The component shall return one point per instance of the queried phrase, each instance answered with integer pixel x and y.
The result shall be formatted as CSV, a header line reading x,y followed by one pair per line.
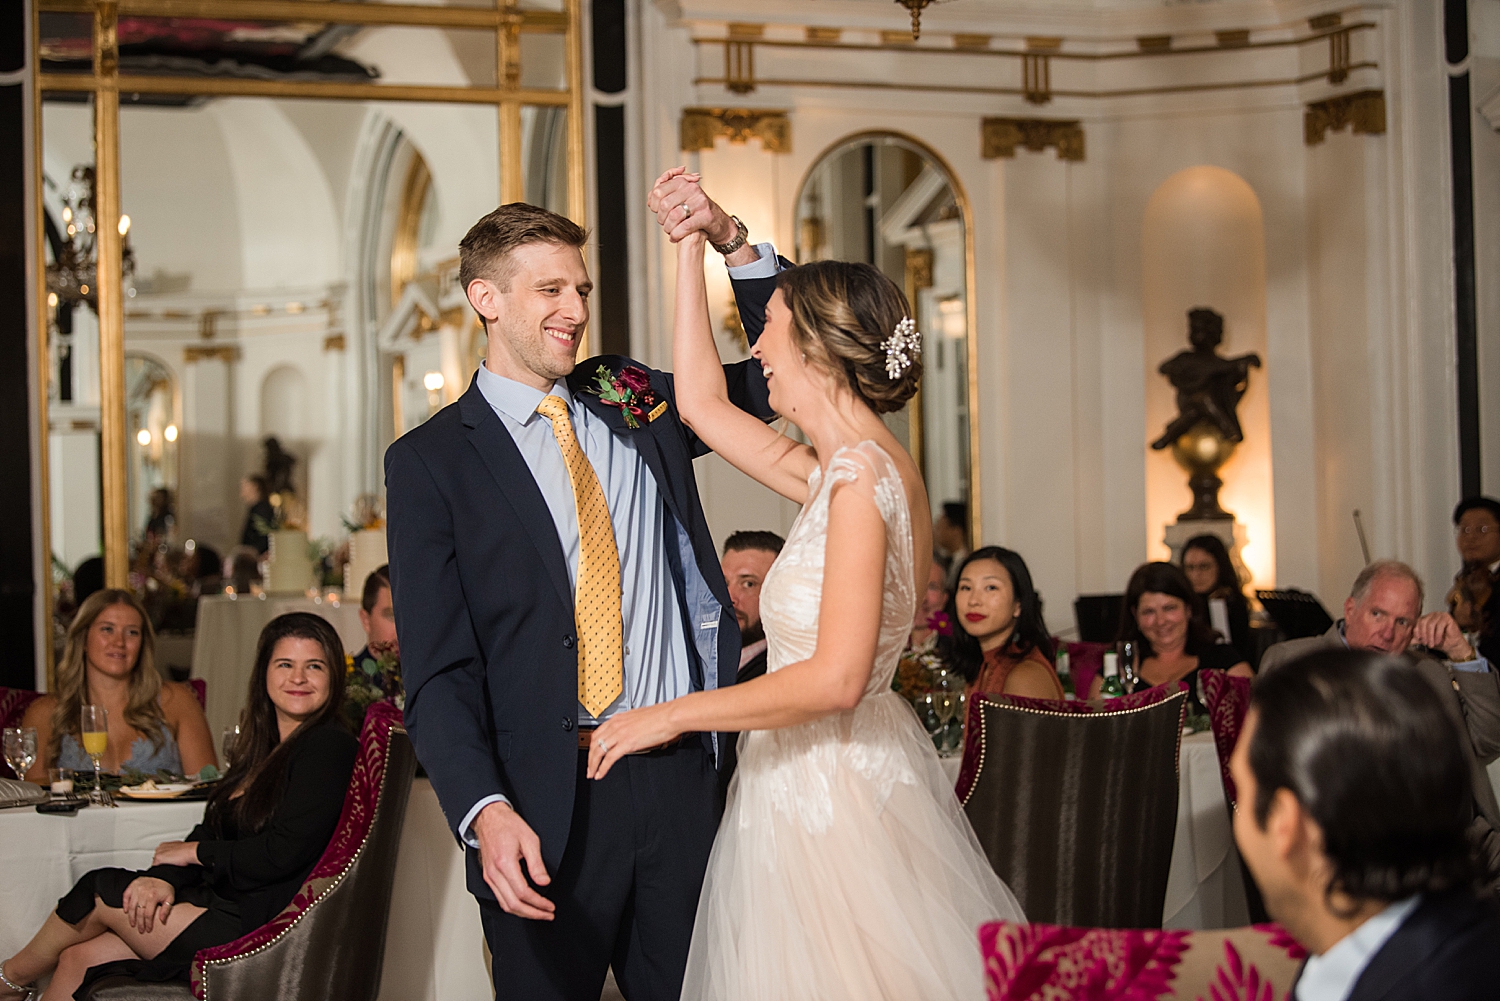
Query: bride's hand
x,y
629,732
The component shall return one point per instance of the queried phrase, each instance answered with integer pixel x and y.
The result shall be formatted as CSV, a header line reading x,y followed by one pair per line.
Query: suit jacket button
x,y
568,642
567,723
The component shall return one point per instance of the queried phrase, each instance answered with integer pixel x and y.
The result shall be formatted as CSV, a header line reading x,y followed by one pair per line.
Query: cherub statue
x,y
1208,387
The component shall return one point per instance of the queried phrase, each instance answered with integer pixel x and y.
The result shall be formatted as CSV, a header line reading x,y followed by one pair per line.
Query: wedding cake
x,y
289,567
367,554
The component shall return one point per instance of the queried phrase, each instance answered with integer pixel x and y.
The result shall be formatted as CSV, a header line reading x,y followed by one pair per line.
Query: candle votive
x,y
60,781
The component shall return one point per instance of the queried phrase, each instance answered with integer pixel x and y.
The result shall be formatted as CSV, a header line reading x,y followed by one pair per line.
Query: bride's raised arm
x,y
756,449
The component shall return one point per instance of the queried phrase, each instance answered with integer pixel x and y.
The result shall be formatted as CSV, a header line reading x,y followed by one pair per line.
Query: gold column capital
x,y
226,353
701,126
1362,111
999,137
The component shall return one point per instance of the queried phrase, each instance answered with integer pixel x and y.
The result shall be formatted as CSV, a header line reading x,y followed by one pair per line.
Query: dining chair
x,y
13,705
1227,699
200,689
1038,961
1075,803
329,942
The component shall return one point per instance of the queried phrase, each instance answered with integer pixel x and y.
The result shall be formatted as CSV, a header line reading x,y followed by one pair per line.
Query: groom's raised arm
x,y
441,665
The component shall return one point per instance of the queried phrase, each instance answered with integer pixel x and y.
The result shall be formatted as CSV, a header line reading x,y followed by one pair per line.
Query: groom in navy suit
x,y
551,566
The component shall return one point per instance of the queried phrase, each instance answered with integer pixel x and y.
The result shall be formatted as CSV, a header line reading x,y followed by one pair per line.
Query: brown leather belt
x,y
586,740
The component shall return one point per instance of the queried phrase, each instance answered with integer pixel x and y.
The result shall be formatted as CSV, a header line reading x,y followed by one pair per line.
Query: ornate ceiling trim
x,y
999,137
701,126
1363,112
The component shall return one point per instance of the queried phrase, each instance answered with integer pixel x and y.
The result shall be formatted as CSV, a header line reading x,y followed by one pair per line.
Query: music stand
x,y
1098,616
1296,613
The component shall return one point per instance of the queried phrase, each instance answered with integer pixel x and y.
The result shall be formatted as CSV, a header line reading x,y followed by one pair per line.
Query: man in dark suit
x,y
747,559
550,566
1353,815
1384,614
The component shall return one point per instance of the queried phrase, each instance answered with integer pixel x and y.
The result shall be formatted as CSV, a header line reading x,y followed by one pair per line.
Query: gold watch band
x,y
741,235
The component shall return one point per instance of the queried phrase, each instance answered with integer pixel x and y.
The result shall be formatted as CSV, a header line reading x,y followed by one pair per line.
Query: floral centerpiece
x,y
371,676
913,677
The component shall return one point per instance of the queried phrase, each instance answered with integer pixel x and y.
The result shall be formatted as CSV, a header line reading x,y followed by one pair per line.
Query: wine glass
x,y
946,697
1129,671
20,749
95,741
228,742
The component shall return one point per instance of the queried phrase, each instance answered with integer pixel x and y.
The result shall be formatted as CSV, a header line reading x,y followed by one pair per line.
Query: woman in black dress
x,y
264,829
1166,621
1209,569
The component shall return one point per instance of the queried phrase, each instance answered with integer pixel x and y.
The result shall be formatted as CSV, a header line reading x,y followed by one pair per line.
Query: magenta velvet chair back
x,y
200,689
1227,700
1037,962
13,705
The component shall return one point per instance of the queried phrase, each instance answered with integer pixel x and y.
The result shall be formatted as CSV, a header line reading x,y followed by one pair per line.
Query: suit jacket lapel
x,y
511,474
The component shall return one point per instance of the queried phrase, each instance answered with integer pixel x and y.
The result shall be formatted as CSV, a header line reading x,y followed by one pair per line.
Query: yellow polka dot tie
x,y
596,598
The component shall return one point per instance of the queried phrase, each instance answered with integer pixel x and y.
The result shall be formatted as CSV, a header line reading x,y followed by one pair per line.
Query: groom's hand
x,y
504,840
682,207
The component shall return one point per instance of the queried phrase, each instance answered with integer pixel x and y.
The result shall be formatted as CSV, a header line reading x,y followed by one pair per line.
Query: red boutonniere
x,y
630,390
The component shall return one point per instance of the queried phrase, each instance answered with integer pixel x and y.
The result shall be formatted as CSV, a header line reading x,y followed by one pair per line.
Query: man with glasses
x,y
1475,597
1383,614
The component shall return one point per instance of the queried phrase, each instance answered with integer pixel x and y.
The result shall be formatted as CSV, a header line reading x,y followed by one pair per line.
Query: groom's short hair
x,y
485,250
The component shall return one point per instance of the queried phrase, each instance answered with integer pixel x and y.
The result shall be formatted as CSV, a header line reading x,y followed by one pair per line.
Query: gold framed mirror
x,y
890,200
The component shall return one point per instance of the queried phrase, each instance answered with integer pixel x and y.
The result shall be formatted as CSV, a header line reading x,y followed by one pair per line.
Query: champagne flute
x,y
95,741
20,749
946,694
229,742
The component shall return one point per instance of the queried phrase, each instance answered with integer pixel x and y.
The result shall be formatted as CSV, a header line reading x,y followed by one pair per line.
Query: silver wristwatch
x,y
742,234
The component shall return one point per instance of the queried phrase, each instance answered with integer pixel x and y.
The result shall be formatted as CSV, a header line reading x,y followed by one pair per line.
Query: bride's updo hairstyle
x,y
842,312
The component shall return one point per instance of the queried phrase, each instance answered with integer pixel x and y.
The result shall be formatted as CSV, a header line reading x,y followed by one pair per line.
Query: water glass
x,y
20,749
95,730
227,742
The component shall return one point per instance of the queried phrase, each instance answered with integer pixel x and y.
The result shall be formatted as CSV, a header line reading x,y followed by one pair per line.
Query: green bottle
x,y
1112,689
1065,672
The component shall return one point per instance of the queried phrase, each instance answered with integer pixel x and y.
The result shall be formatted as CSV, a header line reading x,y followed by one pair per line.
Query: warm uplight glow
x,y
433,381
170,432
84,289
124,224
68,215
143,436
951,315
295,307
52,299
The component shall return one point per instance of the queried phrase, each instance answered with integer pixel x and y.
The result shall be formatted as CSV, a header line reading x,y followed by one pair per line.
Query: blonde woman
x,y
109,660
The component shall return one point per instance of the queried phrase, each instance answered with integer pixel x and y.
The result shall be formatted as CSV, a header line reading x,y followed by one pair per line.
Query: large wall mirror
x,y
887,200
289,204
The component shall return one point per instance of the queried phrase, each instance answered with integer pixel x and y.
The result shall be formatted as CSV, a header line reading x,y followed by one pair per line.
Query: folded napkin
x,y
14,793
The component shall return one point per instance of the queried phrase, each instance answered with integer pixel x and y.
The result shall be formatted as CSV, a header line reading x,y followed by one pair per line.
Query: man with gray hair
x,y
1384,613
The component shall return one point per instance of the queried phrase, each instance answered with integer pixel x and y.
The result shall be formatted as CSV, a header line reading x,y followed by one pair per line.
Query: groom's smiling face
x,y
536,309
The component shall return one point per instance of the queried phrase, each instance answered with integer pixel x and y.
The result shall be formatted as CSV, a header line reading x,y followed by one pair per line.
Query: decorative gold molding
x,y
1235,38
701,126
824,34
408,222
1364,111
739,67
746,32
999,137
971,43
226,353
1338,56
1154,43
333,342
1325,21
904,38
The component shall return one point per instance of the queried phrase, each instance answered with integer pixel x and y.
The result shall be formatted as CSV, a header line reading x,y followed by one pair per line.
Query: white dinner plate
x,y
168,790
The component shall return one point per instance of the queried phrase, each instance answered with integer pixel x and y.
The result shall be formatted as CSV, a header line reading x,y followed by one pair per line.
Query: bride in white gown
x,y
844,866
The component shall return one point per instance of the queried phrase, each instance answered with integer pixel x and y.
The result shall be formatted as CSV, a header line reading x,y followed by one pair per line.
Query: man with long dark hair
x,y
1354,805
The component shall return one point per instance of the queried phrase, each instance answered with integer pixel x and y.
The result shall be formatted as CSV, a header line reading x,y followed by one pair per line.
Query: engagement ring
x,y
603,745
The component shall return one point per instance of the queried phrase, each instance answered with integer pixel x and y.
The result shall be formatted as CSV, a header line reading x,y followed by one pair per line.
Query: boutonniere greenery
x,y
630,391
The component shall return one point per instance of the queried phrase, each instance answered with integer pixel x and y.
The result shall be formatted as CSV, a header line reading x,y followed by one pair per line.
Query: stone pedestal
x,y
1230,532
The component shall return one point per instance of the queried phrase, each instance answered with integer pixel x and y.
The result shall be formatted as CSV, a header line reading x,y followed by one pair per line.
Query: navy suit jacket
x,y
1446,950
484,606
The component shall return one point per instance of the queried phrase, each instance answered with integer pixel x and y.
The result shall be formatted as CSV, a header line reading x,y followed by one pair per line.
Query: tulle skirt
x,y
844,868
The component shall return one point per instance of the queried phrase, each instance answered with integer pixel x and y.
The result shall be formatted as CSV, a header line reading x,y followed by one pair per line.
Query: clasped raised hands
x,y
682,207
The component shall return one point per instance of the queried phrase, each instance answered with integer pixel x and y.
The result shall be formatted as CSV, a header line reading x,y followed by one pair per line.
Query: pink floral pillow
x,y
1052,963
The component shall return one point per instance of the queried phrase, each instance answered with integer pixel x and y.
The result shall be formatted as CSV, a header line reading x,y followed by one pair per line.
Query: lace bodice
x,y
793,589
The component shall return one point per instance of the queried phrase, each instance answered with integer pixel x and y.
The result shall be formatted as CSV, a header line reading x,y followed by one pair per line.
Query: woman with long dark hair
x,y
1209,569
1164,618
263,830
1001,644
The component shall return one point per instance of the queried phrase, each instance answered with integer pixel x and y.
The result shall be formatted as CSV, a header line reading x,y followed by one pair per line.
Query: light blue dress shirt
x,y
656,654
1332,976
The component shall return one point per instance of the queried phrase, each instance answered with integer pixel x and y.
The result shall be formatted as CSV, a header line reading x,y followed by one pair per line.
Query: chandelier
x,y
73,277
915,6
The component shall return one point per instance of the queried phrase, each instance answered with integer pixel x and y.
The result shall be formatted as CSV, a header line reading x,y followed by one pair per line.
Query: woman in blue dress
x,y
109,660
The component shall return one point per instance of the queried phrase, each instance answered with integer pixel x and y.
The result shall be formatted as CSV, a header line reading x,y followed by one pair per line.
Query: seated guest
x,y
934,601
374,673
1475,599
242,567
264,828
1165,620
1209,569
1001,644
109,660
1383,614
950,536
1353,786
747,559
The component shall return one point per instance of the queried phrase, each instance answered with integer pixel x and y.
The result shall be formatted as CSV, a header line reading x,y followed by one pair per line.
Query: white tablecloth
x,y
434,946
1204,889
224,645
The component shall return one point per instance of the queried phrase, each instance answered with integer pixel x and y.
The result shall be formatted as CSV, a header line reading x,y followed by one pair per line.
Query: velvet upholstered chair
x,y
1227,700
1075,803
329,942
1047,962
